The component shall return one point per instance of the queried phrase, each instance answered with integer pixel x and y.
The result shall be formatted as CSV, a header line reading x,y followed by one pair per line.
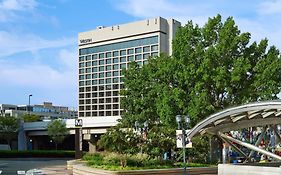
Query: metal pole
x,y
183,148
28,108
251,147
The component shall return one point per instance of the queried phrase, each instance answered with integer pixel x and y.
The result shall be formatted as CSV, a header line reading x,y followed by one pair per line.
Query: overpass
x,y
92,127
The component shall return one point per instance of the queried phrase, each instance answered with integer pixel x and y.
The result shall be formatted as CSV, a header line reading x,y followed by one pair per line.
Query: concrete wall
x,y
225,169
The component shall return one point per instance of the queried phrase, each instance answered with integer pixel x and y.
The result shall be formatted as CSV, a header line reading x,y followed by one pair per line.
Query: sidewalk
x,y
56,170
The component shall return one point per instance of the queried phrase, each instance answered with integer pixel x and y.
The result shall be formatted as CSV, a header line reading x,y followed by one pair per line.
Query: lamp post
x,y
183,122
28,108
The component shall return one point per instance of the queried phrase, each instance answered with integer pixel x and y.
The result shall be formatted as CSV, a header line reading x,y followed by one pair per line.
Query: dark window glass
x,y
138,50
108,61
115,53
101,55
108,54
130,51
122,52
115,60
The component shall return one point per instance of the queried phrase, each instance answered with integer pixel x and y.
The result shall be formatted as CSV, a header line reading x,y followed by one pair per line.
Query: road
x,y
32,166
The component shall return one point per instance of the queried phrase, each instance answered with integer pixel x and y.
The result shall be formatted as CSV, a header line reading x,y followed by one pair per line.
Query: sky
x,y
38,39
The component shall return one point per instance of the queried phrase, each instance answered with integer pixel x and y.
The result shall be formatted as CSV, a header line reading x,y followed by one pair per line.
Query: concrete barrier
x,y
80,169
227,169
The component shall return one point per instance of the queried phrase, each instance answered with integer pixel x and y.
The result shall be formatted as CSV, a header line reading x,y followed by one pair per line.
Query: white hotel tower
x,y
105,51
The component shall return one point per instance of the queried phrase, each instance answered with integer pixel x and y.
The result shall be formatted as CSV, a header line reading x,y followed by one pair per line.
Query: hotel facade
x,y
106,51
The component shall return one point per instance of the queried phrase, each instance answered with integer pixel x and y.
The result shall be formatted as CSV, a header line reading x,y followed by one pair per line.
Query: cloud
x,y
21,5
12,43
270,7
250,17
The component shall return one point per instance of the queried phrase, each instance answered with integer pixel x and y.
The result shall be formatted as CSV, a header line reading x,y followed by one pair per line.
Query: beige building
x,y
105,51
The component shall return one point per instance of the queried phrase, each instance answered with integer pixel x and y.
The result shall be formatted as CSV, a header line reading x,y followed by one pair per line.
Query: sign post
x,y
78,139
179,135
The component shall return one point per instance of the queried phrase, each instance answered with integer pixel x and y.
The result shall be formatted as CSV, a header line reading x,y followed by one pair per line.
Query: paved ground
x,y
33,166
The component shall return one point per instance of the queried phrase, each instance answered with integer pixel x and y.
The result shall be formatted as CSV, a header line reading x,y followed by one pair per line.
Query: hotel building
x,y
106,51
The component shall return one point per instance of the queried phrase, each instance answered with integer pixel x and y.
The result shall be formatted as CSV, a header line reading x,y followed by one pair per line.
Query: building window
x,y
108,74
115,93
94,94
115,113
95,76
101,100
115,80
81,65
108,94
108,87
115,53
116,86
101,62
146,49
101,81
154,48
130,51
115,67
81,83
108,113
81,90
94,63
123,59
94,82
108,54
81,58
108,100
108,67
101,75
101,113
130,58
101,88
101,68
94,88
101,94
146,56
115,60
122,52
95,69
115,106
108,61
94,101
81,71
138,50
123,66
115,100
95,56
101,55
138,57
81,77
115,73
88,76
94,114
88,58
108,81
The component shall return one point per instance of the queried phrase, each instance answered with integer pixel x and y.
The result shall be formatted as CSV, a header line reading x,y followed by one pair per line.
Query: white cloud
x,y
249,16
11,43
36,76
21,5
270,7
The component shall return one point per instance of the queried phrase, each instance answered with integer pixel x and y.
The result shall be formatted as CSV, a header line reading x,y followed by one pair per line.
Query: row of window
x,y
100,94
101,87
101,81
100,113
99,107
119,45
99,75
101,100
145,49
109,67
94,101
117,60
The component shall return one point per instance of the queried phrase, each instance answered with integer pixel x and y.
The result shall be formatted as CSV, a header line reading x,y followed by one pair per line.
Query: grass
x,y
119,162
36,153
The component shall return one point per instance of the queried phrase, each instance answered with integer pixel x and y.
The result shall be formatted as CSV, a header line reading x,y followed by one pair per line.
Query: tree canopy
x,y
57,131
9,127
212,67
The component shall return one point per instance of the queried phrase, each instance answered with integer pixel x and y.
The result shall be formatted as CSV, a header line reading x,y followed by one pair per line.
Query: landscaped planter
x,y
82,169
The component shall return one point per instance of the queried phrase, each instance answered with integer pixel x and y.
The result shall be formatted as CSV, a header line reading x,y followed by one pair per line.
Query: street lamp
x,y
183,122
30,95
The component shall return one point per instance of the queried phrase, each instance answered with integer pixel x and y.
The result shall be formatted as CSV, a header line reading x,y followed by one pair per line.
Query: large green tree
x,y
212,67
9,127
57,131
